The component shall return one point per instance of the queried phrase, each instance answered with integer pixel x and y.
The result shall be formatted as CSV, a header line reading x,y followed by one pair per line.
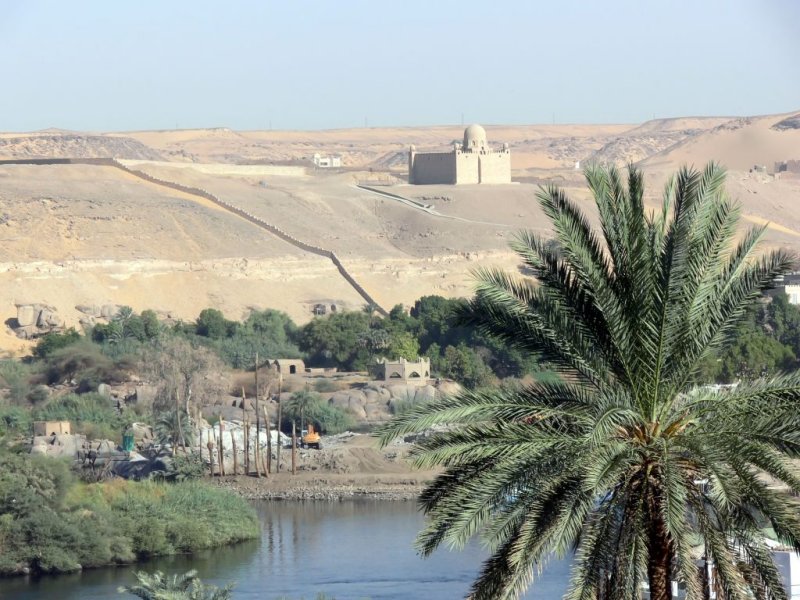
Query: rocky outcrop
x,y
36,319
378,402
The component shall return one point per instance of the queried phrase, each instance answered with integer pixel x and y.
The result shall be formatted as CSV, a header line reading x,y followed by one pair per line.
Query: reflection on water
x,y
349,550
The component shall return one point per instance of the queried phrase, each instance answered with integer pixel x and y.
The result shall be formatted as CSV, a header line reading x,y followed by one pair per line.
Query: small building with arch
x,y
405,371
289,366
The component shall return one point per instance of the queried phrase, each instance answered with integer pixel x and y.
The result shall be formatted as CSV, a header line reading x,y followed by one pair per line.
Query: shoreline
x,y
325,487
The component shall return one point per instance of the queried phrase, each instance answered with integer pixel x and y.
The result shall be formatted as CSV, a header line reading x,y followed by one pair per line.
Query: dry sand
x,y
74,234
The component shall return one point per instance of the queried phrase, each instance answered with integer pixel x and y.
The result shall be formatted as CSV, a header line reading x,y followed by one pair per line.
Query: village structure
x,y
333,161
407,371
474,161
787,167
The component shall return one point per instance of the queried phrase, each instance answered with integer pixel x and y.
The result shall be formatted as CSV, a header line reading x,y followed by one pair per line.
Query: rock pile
x,y
36,319
376,402
92,312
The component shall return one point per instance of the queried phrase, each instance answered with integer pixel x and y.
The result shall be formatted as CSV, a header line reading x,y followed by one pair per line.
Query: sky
x,y
117,65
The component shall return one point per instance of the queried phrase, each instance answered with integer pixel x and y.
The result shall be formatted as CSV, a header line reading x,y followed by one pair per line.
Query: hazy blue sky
x,y
148,64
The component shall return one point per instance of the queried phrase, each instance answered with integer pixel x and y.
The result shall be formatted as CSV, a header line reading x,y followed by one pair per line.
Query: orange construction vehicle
x,y
310,438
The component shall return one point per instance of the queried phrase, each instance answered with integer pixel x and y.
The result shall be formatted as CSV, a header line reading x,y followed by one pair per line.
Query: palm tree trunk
x,y
659,558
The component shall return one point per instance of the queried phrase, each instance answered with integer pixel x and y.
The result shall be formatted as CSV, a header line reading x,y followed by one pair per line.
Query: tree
x,y
342,339
171,428
462,364
178,587
300,403
186,376
624,461
212,324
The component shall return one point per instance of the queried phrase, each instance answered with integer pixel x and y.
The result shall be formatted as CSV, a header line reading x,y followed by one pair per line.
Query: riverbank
x,y
350,466
325,486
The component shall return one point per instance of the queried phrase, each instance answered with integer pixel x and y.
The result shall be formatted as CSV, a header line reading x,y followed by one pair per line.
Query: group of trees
x,y
348,340
354,340
766,342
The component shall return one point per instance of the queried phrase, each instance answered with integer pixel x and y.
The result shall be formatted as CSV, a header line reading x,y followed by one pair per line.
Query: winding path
x,y
425,207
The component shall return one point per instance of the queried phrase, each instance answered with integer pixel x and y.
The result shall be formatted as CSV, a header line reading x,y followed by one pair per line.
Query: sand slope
x,y
77,234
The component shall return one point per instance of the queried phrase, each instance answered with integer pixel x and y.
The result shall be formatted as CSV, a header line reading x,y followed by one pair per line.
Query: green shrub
x,y
85,363
91,414
49,522
52,342
16,376
14,420
325,417
38,395
186,467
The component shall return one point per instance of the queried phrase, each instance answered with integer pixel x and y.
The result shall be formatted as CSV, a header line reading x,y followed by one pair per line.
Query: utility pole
x,y
268,466
258,424
294,449
280,405
245,435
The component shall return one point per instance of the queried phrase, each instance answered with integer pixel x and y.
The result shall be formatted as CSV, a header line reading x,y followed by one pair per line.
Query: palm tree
x,y
625,462
301,402
170,428
178,587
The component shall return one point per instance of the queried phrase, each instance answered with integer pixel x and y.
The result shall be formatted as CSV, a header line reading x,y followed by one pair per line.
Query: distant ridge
x,y
57,144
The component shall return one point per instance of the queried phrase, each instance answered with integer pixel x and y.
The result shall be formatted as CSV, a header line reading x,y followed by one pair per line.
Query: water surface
x,y
349,550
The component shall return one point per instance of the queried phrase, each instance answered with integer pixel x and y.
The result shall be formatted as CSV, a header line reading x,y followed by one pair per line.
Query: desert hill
x,y
81,234
53,143
739,144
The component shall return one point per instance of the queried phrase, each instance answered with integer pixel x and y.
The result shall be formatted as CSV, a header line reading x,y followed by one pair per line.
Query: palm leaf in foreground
x,y
627,464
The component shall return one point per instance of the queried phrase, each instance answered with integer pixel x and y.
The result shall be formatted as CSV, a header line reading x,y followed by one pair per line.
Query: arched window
x,y
414,375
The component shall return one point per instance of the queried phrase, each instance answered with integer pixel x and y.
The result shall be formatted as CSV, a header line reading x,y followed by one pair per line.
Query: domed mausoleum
x,y
472,162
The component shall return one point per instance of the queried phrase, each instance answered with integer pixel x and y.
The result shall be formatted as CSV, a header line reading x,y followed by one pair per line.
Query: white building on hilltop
x,y
474,161
334,161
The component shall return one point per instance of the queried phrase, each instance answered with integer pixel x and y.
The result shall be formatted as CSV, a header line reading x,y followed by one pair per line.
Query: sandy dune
x,y
77,234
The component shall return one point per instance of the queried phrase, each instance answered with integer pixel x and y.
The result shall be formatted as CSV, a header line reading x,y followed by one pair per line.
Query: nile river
x,y
349,550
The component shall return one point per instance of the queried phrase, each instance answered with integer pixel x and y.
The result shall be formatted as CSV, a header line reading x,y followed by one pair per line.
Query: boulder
x,y
39,448
144,395
372,396
27,333
26,315
43,318
348,399
109,311
425,394
104,390
59,446
376,412
104,447
448,388
55,320
91,310
142,432
402,392
358,412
